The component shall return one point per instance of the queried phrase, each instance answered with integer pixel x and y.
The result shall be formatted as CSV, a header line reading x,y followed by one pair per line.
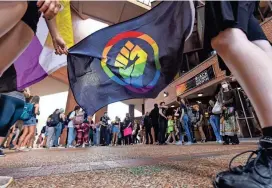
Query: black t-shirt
x,y
197,115
127,121
104,120
164,112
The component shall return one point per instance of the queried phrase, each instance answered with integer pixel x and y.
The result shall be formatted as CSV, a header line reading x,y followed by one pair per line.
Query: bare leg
x,y
173,136
265,46
11,13
13,44
23,136
29,136
251,66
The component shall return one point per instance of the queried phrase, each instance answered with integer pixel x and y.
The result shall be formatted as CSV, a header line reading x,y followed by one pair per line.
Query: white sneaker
x,y
83,145
178,143
188,143
61,146
5,181
220,142
24,149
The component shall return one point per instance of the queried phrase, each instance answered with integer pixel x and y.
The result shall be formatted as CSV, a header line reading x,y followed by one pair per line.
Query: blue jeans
x,y
71,135
94,139
97,136
215,122
57,134
185,121
180,132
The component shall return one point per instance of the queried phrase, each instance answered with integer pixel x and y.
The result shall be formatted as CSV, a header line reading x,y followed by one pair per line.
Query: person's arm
x,y
176,112
182,112
36,109
49,8
58,42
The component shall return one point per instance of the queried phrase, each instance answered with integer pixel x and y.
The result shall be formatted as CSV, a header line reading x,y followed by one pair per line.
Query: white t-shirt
x,y
71,124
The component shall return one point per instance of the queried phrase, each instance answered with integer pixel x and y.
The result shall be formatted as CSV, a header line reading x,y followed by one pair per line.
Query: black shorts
x,y
220,15
32,15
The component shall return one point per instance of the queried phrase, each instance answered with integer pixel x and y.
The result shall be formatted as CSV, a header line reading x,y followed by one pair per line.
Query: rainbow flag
x,y
39,59
134,59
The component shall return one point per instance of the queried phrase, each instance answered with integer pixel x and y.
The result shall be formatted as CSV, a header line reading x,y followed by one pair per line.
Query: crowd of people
x,y
233,32
163,125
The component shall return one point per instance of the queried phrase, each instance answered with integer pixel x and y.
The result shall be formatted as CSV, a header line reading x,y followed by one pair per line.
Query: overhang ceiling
x,y
110,12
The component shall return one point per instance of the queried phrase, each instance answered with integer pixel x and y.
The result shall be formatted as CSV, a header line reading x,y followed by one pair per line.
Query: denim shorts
x,y
31,122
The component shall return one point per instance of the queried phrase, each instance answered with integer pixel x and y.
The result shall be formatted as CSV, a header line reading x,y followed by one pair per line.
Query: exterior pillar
x,y
71,102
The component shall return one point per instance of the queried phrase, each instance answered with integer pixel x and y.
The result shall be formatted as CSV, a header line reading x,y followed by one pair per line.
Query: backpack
x,y
27,112
55,120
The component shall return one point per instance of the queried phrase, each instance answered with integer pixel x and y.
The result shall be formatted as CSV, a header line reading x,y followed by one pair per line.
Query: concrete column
x,y
71,103
131,111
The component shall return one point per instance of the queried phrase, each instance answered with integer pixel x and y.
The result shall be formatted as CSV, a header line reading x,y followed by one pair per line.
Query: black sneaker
x,y
257,173
2,153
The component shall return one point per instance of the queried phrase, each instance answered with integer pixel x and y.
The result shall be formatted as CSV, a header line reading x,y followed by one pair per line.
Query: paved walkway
x,y
46,162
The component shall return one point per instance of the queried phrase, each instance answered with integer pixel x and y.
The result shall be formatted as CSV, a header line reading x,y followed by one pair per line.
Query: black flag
x,y
134,59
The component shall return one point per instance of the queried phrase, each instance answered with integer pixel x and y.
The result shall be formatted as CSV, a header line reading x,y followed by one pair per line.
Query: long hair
x,y
35,100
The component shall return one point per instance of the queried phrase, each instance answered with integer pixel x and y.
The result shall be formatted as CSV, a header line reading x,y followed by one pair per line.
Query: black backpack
x,y
55,120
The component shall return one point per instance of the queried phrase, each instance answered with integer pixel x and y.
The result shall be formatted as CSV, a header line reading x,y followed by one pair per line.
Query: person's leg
x,y
173,137
57,134
251,66
187,129
164,127
13,44
151,137
50,137
79,138
23,136
146,136
215,128
202,134
11,13
98,136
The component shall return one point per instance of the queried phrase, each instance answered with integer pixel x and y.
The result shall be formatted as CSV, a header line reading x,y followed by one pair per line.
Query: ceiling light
x,y
173,106
238,88
199,102
165,94
200,94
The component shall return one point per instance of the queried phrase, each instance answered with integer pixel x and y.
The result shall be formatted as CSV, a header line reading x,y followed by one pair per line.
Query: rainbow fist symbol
x,y
131,62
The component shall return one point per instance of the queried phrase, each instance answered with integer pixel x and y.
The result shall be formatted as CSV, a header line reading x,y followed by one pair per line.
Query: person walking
x,y
154,115
184,119
30,124
215,122
71,127
199,122
103,128
148,125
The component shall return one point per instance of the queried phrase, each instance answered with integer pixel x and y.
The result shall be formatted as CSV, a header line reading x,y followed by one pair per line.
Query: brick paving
x,y
44,162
